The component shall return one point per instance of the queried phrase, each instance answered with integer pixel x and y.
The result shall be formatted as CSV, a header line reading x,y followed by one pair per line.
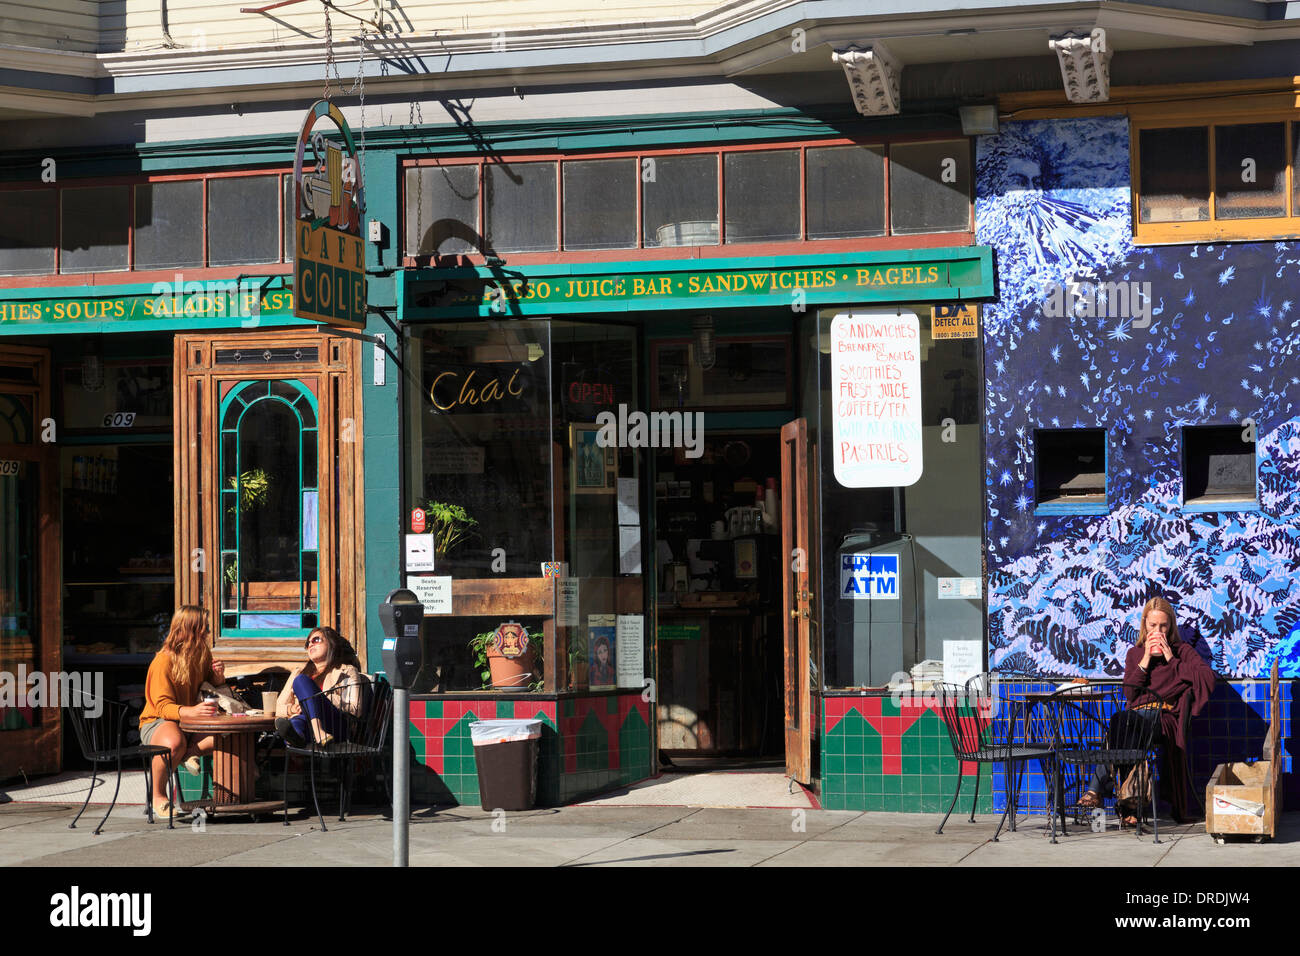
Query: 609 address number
x,y
119,420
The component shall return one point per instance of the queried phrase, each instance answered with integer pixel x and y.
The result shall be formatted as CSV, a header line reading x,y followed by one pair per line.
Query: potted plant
x,y
577,660
505,658
449,524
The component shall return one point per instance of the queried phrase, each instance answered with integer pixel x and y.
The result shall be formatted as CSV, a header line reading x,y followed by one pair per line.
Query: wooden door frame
x,y
799,594
39,750
341,528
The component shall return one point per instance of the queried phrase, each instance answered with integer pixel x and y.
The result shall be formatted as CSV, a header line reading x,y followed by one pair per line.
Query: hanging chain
x,y
417,114
329,53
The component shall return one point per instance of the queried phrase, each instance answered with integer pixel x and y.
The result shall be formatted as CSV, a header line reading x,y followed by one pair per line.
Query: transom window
x,y
209,222
1220,180
269,509
744,195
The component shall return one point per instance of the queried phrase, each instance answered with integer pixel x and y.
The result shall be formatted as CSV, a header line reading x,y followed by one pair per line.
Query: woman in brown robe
x,y
1163,664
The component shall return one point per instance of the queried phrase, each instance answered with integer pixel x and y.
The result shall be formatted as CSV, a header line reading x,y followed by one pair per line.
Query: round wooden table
x,y
232,762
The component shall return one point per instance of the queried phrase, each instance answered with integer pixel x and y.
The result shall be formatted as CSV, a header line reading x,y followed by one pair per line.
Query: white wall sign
x,y
629,656
566,601
434,592
876,398
962,660
958,589
419,552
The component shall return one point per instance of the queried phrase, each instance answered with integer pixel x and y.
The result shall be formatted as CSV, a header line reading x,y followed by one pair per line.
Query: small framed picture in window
x,y
593,466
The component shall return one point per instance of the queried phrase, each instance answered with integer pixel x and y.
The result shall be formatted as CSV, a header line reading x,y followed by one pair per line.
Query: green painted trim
x,y
969,275
620,132
116,306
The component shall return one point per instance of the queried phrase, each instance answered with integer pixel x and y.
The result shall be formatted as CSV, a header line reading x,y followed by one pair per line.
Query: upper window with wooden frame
x,y
222,222
770,198
1229,179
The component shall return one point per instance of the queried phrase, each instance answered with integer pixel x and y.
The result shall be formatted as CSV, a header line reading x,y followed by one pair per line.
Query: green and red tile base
x,y
589,744
880,755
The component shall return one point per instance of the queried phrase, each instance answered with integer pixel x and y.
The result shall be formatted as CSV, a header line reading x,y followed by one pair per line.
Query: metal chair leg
x,y
343,791
148,788
977,794
115,792
94,779
960,776
1155,799
285,787
1011,804
311,764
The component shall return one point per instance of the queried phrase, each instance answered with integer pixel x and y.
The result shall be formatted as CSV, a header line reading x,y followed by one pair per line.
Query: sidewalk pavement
x,y
37,834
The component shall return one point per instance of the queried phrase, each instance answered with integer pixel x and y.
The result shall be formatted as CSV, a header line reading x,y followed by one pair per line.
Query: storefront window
x,y
95,228
27,232
901,566
19,636
529,517
240,231
169,225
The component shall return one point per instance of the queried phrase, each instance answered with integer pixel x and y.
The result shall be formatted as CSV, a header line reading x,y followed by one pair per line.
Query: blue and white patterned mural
x,y
1065,591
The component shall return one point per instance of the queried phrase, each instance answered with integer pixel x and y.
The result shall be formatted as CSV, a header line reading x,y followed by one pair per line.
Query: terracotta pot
x,y
510,672
578,675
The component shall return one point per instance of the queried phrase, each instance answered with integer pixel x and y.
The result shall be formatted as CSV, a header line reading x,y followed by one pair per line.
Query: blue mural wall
x,y
1065,591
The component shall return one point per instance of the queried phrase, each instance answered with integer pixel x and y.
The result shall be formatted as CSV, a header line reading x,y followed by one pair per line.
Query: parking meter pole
x,y
402,617
401,777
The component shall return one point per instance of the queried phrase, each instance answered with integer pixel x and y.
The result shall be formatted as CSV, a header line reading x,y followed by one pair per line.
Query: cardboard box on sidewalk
x,y
1245,798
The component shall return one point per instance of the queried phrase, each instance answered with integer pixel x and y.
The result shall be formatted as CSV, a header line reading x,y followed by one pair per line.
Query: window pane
x,y
680,203
1250,171
520,204
442,211
290,233
846,192
243,227
762,196
929,187
600,204
169,225
269,499
95,226
1174,175
27,229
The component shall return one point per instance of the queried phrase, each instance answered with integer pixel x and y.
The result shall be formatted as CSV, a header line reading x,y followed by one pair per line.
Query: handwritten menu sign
x,y
876,396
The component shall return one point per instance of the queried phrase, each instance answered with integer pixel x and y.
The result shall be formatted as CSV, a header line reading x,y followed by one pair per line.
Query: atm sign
x,y
869,577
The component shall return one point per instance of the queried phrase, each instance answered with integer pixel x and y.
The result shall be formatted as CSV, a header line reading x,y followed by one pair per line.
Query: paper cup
x,y
269,699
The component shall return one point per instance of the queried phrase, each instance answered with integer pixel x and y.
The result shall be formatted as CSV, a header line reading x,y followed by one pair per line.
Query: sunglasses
x,y
314,640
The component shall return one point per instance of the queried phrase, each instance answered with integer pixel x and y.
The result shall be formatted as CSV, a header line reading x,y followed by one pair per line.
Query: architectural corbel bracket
x,y
1085,65
873,74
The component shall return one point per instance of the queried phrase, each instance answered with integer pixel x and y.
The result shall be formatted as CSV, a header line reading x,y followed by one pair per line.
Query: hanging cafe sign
x,y
907,275
329,269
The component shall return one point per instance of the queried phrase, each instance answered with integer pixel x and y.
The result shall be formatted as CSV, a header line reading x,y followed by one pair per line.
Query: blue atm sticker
x,y
869,577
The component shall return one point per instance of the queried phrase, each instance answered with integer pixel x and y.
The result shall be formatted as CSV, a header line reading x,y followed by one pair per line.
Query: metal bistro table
x,y
232,762
1041,731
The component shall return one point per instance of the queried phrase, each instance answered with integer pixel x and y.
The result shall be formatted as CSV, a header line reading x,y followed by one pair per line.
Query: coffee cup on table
x,y
269,699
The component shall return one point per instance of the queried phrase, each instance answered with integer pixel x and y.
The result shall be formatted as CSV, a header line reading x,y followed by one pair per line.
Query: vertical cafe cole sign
x,y
329,270
876,396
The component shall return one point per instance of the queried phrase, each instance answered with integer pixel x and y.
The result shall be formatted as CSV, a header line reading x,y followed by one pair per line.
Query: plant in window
x,y
254,486
577,659
505,659
450,524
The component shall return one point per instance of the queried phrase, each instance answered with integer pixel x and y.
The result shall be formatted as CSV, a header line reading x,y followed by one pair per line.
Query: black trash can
x,y
505,752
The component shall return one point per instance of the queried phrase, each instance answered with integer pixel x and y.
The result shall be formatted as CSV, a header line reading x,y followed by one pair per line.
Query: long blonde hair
x,y
1159,604
191,658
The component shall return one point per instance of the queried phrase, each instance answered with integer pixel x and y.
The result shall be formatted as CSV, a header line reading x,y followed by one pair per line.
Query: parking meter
x,y
402,617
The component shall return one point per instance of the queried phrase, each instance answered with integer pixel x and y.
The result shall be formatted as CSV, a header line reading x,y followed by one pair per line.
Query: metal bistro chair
x,y
363,740
967,712
102,738
1130,739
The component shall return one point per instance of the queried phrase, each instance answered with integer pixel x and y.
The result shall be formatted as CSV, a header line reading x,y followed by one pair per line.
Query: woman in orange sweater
x,y
171,691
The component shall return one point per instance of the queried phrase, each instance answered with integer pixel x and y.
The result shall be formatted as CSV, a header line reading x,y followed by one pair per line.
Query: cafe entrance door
x,y
30,584
799,585
268,476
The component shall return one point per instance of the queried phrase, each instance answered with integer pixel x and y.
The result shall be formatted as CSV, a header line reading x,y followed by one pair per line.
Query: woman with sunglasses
x,y
332,665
